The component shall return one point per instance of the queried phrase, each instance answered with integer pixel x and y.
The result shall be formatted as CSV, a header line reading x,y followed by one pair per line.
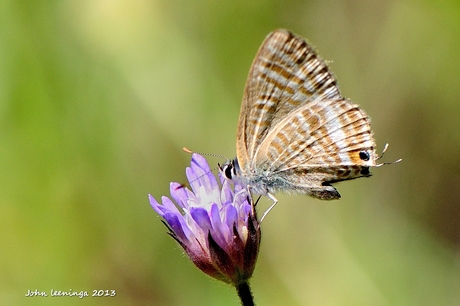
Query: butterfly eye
x,y
364,155
228,171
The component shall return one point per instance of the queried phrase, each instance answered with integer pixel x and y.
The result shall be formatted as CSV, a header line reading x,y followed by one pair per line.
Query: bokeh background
x,y
98,97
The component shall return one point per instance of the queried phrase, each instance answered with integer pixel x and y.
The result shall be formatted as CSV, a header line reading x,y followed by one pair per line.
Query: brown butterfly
x,y
296,132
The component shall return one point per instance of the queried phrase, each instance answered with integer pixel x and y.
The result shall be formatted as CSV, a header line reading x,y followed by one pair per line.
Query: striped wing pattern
x,y
285,75
296,132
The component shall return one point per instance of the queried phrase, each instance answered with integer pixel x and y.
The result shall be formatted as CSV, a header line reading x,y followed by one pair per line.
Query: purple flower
x,y
215,224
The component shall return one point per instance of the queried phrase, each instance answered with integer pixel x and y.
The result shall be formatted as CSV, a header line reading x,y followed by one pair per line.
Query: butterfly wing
x,y
322,142
296,132
286,74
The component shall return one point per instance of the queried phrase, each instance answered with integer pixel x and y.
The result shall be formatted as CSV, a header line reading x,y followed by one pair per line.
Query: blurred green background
x,y
98,97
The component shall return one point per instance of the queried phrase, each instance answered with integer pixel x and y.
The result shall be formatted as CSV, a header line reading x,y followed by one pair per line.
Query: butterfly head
x,y
229,169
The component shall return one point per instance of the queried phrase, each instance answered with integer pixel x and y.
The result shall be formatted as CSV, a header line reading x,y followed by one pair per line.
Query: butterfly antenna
x,y
388,163
187,150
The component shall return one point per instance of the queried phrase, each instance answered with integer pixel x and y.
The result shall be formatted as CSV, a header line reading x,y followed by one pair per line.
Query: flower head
x,y
215,224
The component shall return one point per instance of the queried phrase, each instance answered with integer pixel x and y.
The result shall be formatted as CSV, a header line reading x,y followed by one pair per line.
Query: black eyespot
x,y
365,171
364,155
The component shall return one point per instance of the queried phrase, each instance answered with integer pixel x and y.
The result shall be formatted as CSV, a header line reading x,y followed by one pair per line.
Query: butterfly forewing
x,y
285,75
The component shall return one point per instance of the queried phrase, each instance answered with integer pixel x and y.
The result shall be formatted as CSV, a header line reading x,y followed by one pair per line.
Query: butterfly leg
x,y
275,200
251,201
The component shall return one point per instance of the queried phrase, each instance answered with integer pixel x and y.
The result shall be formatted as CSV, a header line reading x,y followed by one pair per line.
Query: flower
x,y
215,225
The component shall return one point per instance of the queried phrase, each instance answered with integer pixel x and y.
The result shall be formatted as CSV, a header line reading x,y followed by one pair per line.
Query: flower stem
x,y
244,292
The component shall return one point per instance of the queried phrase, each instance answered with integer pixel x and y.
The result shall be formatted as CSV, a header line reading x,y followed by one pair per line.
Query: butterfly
x,y
296,132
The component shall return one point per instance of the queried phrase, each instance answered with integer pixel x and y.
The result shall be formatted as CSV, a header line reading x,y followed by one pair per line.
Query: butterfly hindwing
x,y
324,138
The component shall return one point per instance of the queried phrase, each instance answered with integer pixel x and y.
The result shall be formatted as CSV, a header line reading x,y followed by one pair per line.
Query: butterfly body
x,y
296,132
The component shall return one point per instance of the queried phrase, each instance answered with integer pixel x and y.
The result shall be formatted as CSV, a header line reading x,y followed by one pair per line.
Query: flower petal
x,y
178,226
155,205
231,216
192,178
201,217
179,194
168,204
226,194
221,234
203,172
